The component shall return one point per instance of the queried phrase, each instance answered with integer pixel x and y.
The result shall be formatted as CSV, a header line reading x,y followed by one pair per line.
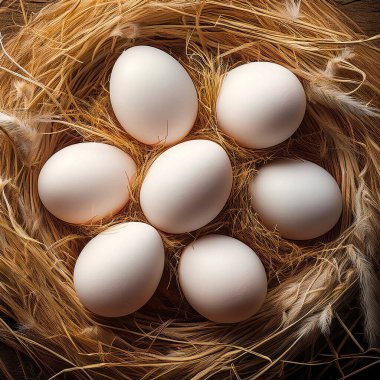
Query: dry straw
x,y
54,76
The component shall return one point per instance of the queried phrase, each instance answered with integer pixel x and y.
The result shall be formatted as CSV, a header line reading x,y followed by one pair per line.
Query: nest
x,y
54,92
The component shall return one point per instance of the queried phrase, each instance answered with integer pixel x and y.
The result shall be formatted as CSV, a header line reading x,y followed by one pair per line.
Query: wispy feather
x,y
325,318
3,183
129,31
317,322
334,98
333,64
369,284
292,8
362,254
308,326
24,91
325,92
23,134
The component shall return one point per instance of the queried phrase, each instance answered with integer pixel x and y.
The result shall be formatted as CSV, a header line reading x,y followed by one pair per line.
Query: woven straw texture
x,y
54,76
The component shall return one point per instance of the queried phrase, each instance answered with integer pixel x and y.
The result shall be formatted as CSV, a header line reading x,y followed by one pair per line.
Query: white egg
x,y
86,182
298,198
260,104
186,186
153,96
119,270
222,278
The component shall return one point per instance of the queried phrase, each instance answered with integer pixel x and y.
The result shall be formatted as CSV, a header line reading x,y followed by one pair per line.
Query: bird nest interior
x,y
54,79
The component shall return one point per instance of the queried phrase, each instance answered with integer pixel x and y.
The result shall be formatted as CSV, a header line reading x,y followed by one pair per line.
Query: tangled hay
x,y
54,77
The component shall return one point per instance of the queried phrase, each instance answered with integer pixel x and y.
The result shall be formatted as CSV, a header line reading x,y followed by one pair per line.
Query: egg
x,y
86,182
298,198
260,104
222,278
118,271
153,96
187,186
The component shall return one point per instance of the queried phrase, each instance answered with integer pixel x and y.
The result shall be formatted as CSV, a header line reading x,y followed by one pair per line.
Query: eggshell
x,y
186,186
222,278
118,271
260,104
153,96
299,198
86,182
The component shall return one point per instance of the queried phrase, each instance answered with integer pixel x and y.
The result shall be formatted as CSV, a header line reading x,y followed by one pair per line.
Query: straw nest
x,y
54,92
